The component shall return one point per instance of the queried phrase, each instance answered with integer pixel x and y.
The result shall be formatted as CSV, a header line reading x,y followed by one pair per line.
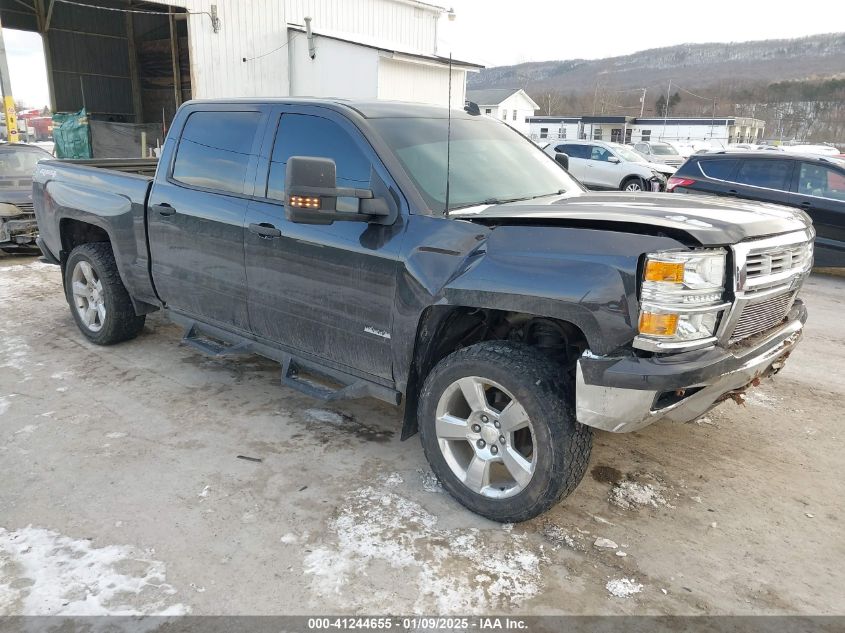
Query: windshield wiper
x,y
505,200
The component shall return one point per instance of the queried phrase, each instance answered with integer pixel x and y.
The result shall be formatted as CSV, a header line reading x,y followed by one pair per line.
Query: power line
x,y
215,21
249,59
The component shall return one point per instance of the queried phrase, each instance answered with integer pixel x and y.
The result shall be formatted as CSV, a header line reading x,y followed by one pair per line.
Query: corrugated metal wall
x,y
90,60
391,23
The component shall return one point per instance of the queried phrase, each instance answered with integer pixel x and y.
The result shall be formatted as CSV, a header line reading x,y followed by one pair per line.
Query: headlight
x,y
8,210
681,299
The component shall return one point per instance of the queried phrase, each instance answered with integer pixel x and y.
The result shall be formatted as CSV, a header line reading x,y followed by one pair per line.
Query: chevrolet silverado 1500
x,y
511,312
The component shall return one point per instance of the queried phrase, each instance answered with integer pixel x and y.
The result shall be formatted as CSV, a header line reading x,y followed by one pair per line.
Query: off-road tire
x,y
121,322
563,445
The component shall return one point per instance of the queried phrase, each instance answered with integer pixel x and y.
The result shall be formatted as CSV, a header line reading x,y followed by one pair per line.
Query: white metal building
x,y
512,105
128,61
625,129
364,49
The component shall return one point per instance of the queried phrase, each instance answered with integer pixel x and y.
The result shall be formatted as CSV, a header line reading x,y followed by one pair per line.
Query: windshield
x,y
19,162
663,150
626,154
489,162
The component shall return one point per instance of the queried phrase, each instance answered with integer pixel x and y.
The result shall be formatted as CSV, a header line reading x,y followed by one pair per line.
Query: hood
x,y
16,190
710,220
662,168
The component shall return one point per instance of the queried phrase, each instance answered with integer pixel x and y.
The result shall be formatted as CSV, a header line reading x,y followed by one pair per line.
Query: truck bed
x,y
139,166
110,194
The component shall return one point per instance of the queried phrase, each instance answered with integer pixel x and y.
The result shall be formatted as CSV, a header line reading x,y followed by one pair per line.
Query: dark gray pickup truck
x,y
510,311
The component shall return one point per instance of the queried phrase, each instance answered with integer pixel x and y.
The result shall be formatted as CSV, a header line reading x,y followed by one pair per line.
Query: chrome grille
x,y
25,207
762,315
778,261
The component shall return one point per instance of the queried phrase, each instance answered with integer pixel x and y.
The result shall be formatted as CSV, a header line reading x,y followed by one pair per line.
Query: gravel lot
x,y
147,478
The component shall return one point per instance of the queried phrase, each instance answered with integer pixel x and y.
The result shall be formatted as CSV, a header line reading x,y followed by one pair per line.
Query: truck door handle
x,y
806,205
164,209
732,192
265,229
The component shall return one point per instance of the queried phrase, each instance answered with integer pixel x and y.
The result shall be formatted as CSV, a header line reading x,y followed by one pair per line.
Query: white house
x,y
513,106
626,129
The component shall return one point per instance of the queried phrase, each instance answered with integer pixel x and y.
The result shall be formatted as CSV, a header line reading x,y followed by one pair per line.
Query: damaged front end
x,y
18,227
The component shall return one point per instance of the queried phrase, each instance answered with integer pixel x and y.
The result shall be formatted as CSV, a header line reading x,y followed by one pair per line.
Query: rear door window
x,y
215,150
718,169
771,174
574,151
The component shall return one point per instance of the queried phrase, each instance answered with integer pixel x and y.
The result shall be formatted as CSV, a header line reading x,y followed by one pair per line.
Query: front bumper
x,y
18,230
626,393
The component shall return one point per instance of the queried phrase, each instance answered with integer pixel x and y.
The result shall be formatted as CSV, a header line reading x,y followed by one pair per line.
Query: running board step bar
x,y
310,377
322,383
194,338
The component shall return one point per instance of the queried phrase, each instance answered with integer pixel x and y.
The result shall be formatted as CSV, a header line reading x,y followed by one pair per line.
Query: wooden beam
x,y
137,102
174,55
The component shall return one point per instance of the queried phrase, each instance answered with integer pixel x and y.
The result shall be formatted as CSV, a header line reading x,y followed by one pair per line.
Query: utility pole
x,y
666,109
8,100
642,103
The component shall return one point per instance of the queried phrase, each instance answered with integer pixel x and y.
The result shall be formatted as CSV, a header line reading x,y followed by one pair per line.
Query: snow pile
x,y
450,571
631,495
623,587
325,415
429,480
45,573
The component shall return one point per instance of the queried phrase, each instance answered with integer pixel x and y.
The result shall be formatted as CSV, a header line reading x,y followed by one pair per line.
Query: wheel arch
x,y
443,329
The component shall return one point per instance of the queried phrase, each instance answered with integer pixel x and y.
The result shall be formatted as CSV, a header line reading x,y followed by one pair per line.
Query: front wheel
x,y
497,426
632,184
98,300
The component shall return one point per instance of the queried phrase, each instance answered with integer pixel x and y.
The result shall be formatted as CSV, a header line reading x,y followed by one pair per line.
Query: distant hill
x,y
699,65
797,85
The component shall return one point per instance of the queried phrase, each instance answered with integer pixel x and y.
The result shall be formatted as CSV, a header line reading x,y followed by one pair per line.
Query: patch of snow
x,y
452,571
429,480
115,435
293,539
197,588
204,493
4,404
623,587
558,536
393,479
606,543
760,398
29,428
631,495
621,554
61,375
61,389
325,415
45,573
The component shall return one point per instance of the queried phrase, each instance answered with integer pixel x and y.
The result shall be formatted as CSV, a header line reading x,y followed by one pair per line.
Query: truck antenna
x,y
448,134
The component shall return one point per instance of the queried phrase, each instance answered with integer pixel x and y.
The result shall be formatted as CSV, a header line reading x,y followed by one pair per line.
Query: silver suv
x,y
657,152
602,165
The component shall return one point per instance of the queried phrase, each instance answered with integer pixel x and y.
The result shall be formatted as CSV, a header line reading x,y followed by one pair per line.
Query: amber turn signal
x,y
656,270
305,202
658,324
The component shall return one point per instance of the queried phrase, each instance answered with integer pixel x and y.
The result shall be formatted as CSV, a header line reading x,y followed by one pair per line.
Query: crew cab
x,y
438,260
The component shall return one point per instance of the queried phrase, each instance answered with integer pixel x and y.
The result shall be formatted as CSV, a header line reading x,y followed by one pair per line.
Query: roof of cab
x,y
367,109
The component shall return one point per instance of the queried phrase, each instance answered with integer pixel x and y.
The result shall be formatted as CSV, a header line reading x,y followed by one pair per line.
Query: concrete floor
x,y
125,490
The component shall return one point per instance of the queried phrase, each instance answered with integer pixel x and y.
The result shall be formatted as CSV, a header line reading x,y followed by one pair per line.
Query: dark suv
x,y
815,184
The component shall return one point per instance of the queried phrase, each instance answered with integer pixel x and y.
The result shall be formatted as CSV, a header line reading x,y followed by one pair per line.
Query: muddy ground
x,y
145,478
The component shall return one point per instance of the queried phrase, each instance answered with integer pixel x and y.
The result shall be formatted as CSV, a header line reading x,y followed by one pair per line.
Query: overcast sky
x,y
496,32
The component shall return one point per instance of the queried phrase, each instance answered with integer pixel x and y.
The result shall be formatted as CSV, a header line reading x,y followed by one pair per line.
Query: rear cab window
x,y
821,181
718,169
215,149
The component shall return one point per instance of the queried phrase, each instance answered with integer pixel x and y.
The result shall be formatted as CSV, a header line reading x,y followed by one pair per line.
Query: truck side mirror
x,y
563,159
313,197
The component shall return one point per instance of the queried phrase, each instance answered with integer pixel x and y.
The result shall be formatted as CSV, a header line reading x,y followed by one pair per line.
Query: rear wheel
x,y
497,426
98,300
